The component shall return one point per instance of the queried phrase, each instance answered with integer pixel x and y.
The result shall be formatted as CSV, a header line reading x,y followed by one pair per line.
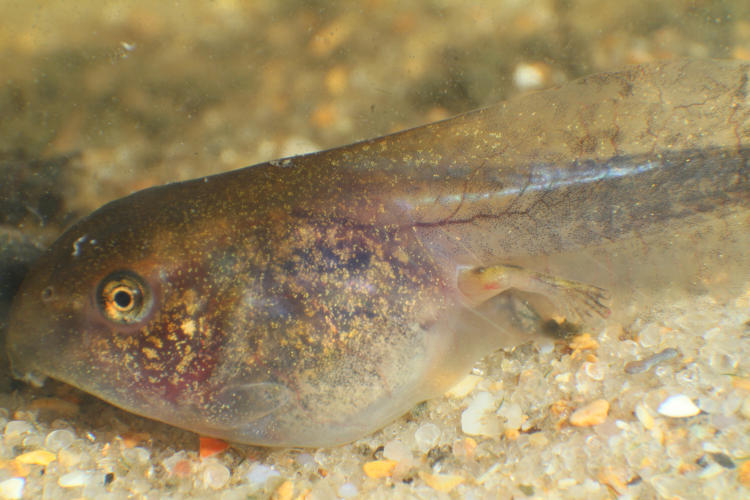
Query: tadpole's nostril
x,y
47,294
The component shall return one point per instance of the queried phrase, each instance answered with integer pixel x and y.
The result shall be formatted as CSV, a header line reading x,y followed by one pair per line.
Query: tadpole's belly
x,y
311,300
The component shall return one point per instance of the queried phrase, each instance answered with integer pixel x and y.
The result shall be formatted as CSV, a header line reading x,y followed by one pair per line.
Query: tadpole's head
x,y
91,299
95,280
121,306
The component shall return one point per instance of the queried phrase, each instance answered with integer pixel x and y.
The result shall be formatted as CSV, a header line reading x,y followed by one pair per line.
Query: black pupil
x,y
123,299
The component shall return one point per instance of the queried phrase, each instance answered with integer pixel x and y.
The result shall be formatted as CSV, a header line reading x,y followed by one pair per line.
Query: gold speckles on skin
x,y
188,327
123,342
155,341
150,353
191,301
203,328
187,357
401,256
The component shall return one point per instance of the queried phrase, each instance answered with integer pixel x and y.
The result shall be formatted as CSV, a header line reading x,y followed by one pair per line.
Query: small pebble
x,y
712,470
68,458
178,465
306,460
644,417
583,342
33,441
284,491
707,446
463,449
650,335
348,490
724,460
36,457
741,383
216,476
12,489
211,446
545,345
136,456
744,473
74,479
479,419
427,436
645,364
59,439
441,482
396,450
593,413
526,489
538,440
513,415
594,371
678,406
379,468
745,408
464,387
511,434
609,476
17,428
260,474
566,483
131,439
55,405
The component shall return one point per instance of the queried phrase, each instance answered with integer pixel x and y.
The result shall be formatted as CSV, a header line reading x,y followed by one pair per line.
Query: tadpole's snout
x,y
22,341
21,371
37,324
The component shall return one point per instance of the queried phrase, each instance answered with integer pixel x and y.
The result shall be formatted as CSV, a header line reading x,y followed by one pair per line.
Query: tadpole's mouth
x,y
22,370
32,377
24,342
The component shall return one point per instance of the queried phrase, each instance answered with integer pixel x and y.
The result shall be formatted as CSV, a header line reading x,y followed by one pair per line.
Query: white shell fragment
x,y
12,488
427,436
479,418
74,479
216,475
678,406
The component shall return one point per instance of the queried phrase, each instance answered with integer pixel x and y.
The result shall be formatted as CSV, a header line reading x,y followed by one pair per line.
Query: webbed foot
x,y
575,300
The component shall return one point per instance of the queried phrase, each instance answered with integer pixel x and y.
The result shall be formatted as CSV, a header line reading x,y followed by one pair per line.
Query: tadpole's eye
x,y
124,297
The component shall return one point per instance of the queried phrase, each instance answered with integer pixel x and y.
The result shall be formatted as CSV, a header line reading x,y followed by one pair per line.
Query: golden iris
x,y
124,297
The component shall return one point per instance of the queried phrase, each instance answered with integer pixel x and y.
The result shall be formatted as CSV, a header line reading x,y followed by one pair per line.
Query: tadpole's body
x,y
311,300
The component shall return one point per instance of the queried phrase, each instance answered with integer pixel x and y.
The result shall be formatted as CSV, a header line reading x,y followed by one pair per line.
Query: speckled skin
x,y
311,300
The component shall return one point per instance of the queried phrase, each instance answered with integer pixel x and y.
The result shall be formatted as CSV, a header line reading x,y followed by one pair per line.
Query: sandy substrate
x,y
96,102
